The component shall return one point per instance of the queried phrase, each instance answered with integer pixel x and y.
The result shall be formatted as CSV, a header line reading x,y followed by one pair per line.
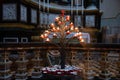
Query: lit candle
x,y
52,25
46,31
54,29
82,40
47,40
59,22
57,19
80,37
58,29
42,36
54,35
76,29
79,33
72,28
68,32
71,23
45,35
66,27
75,35
67,18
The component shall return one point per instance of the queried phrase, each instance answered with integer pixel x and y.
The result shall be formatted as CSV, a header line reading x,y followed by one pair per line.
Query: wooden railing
x,y
86,57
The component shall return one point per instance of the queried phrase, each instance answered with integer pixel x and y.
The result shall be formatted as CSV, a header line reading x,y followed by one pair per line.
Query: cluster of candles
x,y
61,28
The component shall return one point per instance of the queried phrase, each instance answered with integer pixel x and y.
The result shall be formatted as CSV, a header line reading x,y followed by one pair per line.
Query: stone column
x,y
21,73
88,66
118,65
37,67
104,64
5,73
73,58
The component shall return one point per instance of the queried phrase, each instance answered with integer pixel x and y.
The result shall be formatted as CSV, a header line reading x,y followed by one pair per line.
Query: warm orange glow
x,y
66,27
72,28
54,35
71,24
42,36
45,35
79,33
57,19
76,35
67,18
54,29
58,29
52,25
76,29
59,22
82,40
61,26
80,37
46,31
47,40
68,32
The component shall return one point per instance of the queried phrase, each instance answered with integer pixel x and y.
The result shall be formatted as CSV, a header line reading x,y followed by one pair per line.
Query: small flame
x,y
47,40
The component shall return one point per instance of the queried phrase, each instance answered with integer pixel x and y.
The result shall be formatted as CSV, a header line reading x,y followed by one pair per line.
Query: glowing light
x,y
54,35
42,36
80,37
71,24
45,35
46,31
79,33
67,18
57,19
76,35
76,29
54,29
82,40
58,29
68,32
72,28
47,40
52,25
59,22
